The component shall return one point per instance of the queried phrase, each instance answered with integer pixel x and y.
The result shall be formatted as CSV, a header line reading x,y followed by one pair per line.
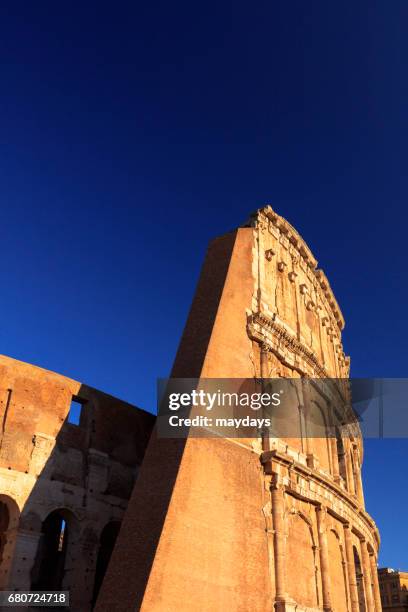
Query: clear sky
x,y
132,133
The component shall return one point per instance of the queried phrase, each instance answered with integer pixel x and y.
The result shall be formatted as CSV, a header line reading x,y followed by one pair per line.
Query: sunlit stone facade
x,y
253,525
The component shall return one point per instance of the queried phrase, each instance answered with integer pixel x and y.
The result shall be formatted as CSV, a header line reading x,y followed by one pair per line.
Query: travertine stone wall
x,y
296,324
47,464
294,301
253,525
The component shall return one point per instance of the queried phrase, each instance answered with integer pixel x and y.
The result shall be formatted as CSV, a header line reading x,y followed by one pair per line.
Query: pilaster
x,y
367,576
351,570
374,579
324,557
278,508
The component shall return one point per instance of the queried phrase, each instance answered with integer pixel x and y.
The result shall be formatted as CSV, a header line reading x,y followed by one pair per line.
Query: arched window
x,y
106,546
50,564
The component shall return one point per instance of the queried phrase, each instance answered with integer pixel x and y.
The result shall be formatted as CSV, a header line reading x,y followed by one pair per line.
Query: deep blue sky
x,y
133,133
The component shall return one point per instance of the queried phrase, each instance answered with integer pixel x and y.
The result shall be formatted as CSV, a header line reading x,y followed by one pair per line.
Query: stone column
x,y
278,508
367,576
374,580
357,478
335,459
84,548
264,367
333,442
303,431
25,552
76,579
324,557
306,417
351,570
7,557
349,468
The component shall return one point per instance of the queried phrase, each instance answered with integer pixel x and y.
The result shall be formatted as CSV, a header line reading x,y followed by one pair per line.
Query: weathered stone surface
x,y
246,525
84,472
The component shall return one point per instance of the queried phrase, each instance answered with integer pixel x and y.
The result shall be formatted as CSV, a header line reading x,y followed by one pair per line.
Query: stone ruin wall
x,y
85,472
316,489
256,524
293,294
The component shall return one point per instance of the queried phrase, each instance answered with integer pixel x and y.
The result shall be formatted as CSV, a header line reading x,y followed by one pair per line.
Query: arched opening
x,y
106,545
301,551
359,580
50,563
9,518
338,580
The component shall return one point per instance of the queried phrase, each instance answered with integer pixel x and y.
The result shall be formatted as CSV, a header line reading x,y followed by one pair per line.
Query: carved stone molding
x,y
321,491
266,218
285,341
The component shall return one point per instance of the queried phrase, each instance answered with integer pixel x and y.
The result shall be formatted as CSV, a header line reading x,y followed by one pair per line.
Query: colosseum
x,y
253,525
206,524
69,455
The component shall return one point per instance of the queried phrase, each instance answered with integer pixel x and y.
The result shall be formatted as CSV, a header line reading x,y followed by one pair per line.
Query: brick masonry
x,y
259,524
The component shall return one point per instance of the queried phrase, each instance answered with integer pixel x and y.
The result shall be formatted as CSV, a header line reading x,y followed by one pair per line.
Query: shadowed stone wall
x,y
62,484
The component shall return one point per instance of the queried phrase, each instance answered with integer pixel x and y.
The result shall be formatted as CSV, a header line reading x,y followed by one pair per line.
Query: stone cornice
x,y
268,457
287,341
275,337
329,295
297,242
291,234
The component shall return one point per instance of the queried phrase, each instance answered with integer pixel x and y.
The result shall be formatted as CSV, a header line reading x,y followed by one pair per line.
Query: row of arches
x,y
304,571
337,450
324,445
309,422
55,557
